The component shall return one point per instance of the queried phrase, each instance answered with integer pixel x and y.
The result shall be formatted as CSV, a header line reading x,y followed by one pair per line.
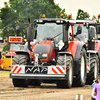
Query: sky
x,y
72,6
2,3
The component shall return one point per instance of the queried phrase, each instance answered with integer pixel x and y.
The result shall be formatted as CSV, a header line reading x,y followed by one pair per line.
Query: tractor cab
x,y
88,34
83,36
48,31
53,29
15,44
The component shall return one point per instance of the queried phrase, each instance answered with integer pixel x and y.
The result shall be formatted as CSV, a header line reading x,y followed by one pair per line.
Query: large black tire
x,y
94,69
80,78
20,83
69,71
20,59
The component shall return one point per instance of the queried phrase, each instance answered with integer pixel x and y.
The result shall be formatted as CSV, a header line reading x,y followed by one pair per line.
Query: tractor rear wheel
x,y
94,69
21,60
62,60
80,78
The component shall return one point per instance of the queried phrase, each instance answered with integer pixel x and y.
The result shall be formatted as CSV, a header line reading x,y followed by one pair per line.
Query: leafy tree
x,y
82,15
8,17
36,8
94,18
6,48
20,10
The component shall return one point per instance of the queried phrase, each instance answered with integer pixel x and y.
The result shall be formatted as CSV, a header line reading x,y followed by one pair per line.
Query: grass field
x,y
4,73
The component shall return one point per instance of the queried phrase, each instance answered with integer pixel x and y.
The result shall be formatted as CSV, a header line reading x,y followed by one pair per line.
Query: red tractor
x,y
52,58
15,44
88,36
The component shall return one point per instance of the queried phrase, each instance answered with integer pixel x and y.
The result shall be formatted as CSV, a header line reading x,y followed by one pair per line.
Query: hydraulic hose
x,y
65,46
29,47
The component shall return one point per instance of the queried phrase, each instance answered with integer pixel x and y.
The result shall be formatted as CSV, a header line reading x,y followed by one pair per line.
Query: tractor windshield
x,y
84,35
49,30
14,46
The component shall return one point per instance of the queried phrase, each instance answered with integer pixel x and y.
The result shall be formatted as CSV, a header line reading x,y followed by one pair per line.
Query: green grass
x,y
4,73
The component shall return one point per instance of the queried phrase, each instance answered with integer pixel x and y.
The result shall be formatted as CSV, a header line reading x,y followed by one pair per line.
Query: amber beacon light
x,y
62,15
69,16
99,17
43,16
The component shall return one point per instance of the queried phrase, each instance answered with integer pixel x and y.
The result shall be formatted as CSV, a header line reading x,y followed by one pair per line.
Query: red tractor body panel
x,y
11,52
73,47
53,55
97,46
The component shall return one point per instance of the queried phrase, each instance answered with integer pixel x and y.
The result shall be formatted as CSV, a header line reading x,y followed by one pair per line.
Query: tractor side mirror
x,y
98,32
17,29
79,30
29,34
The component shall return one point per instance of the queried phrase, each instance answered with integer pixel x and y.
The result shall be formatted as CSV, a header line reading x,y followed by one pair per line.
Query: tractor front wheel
x,y
68,61
21,60
94,69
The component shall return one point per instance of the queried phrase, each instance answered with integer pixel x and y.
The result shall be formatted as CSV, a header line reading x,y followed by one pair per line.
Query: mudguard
x,y
67,53
77,57
97,48
91,51
72,48
22,52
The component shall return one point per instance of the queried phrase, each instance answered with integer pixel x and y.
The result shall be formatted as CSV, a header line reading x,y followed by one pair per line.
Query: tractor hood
x,y
45,50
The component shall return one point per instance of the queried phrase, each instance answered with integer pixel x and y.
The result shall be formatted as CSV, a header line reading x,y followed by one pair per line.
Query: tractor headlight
x,y
44,55
36,54
41,21
58,21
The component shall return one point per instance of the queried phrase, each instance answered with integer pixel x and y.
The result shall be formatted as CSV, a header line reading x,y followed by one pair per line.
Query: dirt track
x,y
44,92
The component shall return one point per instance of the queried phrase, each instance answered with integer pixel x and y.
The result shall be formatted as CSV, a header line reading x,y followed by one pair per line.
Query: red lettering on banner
x,y
15,39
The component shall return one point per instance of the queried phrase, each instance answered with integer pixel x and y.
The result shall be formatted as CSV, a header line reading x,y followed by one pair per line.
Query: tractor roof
x,y
84,21
53,20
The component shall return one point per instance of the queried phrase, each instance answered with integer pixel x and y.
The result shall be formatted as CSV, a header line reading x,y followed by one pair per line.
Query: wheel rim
x,y
95,70
70,73
82,68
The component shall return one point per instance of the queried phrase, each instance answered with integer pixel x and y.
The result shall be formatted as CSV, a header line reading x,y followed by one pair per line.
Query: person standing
x,y
93,85
97,89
